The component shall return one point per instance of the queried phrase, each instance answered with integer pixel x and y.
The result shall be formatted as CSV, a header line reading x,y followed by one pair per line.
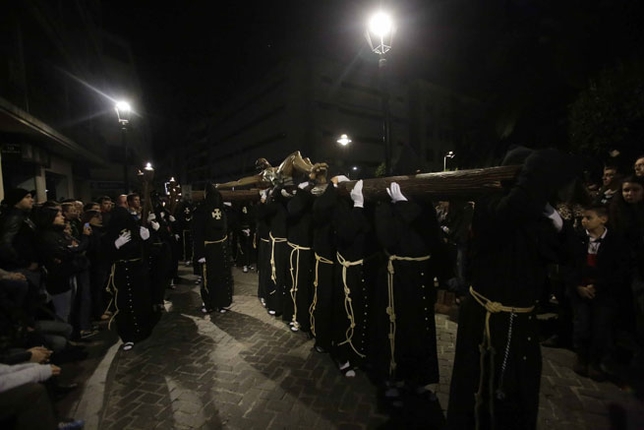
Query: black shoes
x,y
319,349
127,346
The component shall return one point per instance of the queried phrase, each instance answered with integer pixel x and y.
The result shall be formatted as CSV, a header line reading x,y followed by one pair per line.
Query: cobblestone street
x,y
246,370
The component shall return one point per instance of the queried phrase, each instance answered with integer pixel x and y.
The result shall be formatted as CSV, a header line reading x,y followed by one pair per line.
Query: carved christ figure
x,y
283,174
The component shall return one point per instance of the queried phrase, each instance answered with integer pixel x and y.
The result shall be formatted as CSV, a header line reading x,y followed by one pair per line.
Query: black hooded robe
x,y
405,348
217,284
512,244
299,287
129,279
274,214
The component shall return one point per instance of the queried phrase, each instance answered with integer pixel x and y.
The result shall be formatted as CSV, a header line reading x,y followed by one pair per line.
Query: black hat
x,y
14,195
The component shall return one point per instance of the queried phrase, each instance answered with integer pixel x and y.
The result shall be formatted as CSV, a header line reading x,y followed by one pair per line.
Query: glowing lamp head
x,y
344,140
123,110
380,24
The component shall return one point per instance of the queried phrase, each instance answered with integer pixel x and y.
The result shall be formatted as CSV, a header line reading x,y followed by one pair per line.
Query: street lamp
x,y
450,154
123,111
147,176
344,140
380,33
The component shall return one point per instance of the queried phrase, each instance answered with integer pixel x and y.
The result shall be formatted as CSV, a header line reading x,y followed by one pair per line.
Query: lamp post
x,y
450,154
147,176
123,111
379,34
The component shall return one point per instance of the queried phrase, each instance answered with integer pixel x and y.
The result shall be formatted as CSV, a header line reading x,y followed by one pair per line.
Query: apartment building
x,y
60,76
306,104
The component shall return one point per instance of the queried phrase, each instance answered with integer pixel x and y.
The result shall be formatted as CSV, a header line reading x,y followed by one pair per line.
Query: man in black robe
x,y
129,277
274,214
404,344
262,242
321,309
217,283
355,269
514,238
299,288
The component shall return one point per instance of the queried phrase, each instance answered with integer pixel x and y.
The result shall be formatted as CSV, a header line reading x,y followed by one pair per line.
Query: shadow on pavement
x,y
312,378
164,380
416,413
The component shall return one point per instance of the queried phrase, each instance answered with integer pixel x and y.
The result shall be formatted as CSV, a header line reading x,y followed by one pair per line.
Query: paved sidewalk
x,y
246,370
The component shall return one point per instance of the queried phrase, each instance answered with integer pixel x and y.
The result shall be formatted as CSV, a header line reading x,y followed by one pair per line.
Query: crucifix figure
x,y
283,174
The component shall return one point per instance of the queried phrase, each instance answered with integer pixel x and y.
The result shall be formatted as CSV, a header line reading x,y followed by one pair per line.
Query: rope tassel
x,y
318,260
391,308
486,349
348,307
295,274
274,240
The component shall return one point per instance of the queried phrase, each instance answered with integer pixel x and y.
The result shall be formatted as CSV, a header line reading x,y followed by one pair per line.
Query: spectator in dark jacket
x,y
58,258
17,235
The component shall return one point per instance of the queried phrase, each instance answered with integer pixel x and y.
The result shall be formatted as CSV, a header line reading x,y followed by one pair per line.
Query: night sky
x,y
526,58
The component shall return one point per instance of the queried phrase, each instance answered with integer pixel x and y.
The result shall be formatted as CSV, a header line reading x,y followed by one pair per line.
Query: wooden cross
x,y
461,184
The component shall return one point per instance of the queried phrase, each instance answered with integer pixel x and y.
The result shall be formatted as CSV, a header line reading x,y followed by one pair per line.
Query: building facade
x,y
60,75
306,104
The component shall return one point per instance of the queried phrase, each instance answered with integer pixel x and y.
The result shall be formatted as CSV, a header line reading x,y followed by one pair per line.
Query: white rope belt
x,y
348,307
486,348
318,259
204,271
274,240
295,273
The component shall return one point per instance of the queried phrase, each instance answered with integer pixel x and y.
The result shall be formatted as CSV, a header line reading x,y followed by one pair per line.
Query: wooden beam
x,y
461,184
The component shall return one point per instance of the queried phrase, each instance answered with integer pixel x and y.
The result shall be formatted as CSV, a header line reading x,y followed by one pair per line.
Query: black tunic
x,y
263,244
199,217
352,287
129,279
511,247
217,285
274,213
299,287
404,327
159,260
321,311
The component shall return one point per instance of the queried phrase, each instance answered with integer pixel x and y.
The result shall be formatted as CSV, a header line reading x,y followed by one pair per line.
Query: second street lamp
x,y
123,111
379,34
344,140
450,154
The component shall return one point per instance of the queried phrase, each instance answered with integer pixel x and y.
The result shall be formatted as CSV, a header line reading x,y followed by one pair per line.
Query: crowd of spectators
x,y
55,265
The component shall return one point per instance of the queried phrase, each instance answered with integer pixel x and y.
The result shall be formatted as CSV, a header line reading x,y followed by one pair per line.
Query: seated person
x,y
24,401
